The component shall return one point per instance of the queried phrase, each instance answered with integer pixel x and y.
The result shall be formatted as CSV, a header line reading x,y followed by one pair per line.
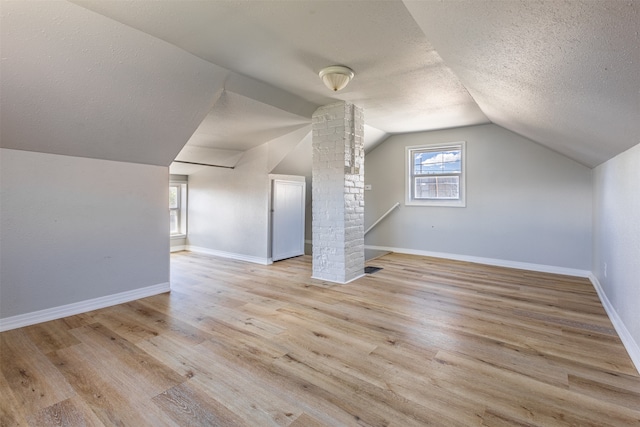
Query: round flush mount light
x,y
336,77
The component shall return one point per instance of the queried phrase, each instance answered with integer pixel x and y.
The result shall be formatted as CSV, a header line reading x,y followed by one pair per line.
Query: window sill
x,y
435,203
178,236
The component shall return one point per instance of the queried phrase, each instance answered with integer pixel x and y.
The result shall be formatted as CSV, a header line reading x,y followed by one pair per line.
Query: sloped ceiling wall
x,y
78,84
564,74
401,83
132,81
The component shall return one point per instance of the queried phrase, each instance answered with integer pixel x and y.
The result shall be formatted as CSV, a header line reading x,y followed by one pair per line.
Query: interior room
x,y
483,155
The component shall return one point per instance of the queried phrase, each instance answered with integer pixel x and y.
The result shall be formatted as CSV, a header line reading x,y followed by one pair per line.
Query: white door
x,y
288,219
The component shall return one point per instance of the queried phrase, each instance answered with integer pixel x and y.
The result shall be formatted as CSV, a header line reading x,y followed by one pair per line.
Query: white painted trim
x,y
231,255
288,255
384,215
459,203
629,343
488,261
335,281
276,227
178,248
295,178
355,278
54,313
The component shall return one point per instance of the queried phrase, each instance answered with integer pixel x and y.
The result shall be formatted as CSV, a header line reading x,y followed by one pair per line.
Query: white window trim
x,y
182,208
458,203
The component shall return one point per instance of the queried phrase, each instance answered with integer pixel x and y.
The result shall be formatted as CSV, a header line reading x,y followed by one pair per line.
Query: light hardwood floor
x,y
422,342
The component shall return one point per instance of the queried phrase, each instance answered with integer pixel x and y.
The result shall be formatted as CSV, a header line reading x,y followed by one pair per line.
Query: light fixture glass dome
x,y
336,77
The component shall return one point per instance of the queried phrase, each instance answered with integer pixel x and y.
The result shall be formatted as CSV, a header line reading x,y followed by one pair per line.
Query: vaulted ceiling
x,y
137,80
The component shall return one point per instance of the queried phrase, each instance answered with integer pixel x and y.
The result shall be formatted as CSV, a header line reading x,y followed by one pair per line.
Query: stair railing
x,y
384,215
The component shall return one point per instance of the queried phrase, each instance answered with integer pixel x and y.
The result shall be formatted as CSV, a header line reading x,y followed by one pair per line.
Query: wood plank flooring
x,y
422,342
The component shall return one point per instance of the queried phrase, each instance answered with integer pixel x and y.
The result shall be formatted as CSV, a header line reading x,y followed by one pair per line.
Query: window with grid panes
x,y
435,175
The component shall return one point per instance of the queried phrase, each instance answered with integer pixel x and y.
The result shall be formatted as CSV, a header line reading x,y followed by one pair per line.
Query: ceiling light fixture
x,y
336,77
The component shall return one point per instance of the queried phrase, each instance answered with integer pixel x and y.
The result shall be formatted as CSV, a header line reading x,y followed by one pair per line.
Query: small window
x,y
435,175
177,210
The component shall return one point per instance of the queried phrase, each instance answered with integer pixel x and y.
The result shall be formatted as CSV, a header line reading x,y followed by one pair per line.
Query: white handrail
x,y
384,215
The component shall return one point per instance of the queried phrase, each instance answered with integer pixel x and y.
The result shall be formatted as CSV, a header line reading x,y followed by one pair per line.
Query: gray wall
x,y
299,162
228,208
617,237
75,229
525,203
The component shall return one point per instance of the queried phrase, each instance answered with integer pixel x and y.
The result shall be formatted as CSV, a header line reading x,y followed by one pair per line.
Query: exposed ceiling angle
x,y
298,161
234,125
205,155
280,147
237,123
402,83
134,81
373,137
76,83
269,95
564,74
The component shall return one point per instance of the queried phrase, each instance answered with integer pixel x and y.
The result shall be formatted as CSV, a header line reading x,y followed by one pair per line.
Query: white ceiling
x,y
401,82
565,74
75,83
239,123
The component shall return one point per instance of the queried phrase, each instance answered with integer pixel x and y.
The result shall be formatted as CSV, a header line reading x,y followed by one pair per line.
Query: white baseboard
x,y
488,261
231,255
54,313
178,248
625,336
335,281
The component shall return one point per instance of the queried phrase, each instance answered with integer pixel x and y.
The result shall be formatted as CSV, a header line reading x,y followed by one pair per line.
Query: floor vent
x,y
371,270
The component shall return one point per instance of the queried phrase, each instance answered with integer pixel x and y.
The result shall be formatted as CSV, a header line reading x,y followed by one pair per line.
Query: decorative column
x,y
338,193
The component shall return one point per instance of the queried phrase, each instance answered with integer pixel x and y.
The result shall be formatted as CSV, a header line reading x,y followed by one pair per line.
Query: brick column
x,y
338,193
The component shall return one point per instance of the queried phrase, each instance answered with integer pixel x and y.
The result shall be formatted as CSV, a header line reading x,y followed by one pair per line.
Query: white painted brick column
x,y
338,192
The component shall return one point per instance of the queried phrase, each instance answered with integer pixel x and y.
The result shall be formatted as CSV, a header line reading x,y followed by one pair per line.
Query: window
x,y
177,209
435,175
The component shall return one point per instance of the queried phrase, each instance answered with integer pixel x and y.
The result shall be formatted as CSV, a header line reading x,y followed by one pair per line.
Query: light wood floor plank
x,y
12,413
188,407
51,336
33,380
424,341
70,412
525,400
114,402
136,370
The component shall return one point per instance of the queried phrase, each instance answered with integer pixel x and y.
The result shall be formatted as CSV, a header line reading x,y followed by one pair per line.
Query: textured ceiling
x,y
134,80
260,123
69,86
286,44
401,82
565,74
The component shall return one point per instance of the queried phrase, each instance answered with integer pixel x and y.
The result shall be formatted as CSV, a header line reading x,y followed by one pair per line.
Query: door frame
x,y
286,178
